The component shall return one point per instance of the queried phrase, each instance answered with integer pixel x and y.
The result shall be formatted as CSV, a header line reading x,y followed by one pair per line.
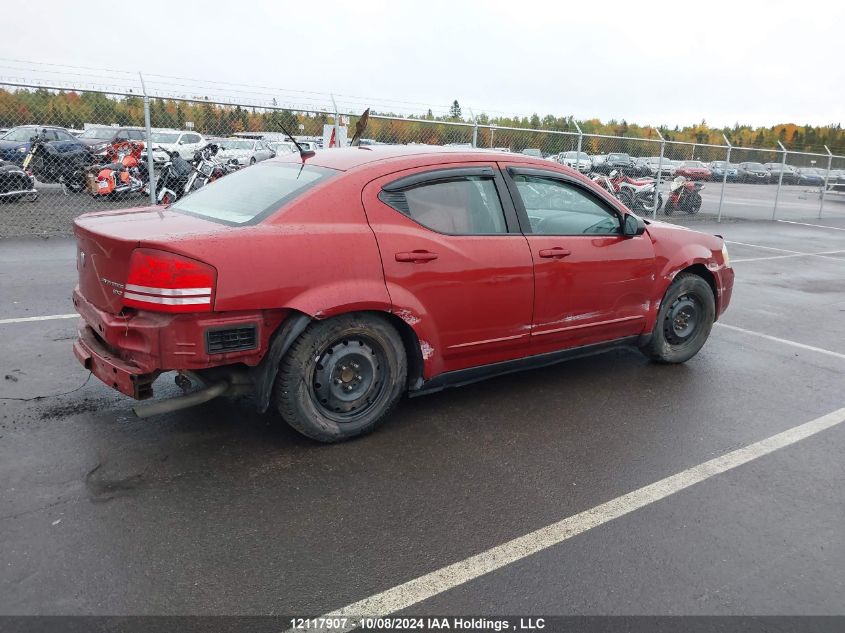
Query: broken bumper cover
x,y
113,371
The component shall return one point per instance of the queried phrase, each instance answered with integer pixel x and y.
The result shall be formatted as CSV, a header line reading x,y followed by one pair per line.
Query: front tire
x,y
684,320
341,377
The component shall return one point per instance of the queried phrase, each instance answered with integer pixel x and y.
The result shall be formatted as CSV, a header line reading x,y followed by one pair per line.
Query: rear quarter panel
x,y
317,255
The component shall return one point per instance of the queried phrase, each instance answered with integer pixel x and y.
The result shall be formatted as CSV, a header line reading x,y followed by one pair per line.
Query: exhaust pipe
x,y
182,402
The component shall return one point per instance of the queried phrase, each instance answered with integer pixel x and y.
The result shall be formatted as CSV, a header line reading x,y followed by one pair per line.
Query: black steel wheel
x,y
684,320
342,377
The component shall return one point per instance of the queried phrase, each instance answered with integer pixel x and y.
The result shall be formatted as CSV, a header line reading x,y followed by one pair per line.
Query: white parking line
x,y
431,584
49,317
784,341
782,250
768,248
762,259
818,226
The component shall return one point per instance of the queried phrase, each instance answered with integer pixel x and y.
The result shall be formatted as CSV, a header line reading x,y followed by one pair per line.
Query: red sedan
x,y
694,170
327,286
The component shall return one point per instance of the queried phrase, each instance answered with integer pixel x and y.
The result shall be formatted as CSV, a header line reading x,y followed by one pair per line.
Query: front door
x,y
456,265
591,283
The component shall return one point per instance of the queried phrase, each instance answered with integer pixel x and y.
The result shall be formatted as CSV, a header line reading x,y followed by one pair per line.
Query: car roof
x,y
346,158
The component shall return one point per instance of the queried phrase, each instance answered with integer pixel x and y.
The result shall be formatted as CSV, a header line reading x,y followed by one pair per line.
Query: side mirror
x,y
272,154
632,225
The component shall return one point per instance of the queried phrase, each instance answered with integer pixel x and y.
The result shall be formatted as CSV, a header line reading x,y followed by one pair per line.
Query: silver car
x,y
582,162
247,151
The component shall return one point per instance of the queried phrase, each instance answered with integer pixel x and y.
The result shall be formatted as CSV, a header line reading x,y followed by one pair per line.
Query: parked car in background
x,y
811,176
619,161
254,273
753,172
99,138
717,171
184,143
247,151
581,162
693,170
790,174
15,143
667,167
282,147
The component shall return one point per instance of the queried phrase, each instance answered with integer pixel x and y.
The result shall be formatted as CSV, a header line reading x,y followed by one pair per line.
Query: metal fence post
x,y
724,177
780,180
151,183
580,138
826,179
336,126
659,174
492,129
474,128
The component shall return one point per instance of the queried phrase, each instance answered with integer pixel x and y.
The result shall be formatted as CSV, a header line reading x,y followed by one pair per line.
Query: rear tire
x,y
342,377
684,320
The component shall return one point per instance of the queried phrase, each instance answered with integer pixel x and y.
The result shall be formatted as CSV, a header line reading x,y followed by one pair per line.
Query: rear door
x,y
455,262
591,283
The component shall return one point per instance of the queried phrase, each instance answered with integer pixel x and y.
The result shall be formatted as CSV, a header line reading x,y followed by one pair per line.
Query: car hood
x,y
91,142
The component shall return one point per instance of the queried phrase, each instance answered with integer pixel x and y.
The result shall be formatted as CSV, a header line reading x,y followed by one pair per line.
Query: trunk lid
x,y
105,241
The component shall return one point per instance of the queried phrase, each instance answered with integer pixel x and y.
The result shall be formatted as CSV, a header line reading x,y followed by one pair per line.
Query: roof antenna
x,y
303,153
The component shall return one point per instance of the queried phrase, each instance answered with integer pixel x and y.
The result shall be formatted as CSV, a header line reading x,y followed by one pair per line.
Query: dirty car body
x,y
328,286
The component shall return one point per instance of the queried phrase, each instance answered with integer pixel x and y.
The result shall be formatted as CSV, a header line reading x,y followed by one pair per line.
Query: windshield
x,y
235,144
581,156
102,133
164,137
20,134
618,157
754,166
251,194
693,163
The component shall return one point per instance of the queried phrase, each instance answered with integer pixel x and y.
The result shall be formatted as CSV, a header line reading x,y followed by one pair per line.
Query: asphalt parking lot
x,y
218,510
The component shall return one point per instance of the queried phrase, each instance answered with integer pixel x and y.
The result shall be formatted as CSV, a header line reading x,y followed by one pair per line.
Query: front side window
x,y
466,205
249,195
559,208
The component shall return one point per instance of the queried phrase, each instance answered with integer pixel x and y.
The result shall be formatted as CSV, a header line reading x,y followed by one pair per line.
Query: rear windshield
x,y
249,195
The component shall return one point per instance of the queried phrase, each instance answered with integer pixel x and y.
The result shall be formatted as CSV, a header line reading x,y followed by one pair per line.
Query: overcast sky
x,y
647,62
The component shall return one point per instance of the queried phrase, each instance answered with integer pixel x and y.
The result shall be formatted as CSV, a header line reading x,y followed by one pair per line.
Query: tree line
x,y
74,109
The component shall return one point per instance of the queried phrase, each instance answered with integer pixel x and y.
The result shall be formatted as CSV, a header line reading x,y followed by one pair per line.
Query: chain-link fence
x,y
66,152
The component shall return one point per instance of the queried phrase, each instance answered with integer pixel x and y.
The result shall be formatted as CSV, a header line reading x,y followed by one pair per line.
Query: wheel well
x,y
706,275
410,342
412,348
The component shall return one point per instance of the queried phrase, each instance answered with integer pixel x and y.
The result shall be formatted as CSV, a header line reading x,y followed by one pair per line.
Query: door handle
x,y
416,257
557,252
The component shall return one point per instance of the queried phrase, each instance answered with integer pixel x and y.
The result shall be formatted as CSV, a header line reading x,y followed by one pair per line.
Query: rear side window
x,y
249,195
462,206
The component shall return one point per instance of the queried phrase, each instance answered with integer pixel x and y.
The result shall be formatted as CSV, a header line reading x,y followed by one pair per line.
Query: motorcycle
x,y
637,195
51,166
172,179
125,173
178,177
15,183
684,196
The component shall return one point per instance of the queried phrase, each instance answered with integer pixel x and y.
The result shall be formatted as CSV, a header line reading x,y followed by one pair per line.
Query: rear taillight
x,y
164,282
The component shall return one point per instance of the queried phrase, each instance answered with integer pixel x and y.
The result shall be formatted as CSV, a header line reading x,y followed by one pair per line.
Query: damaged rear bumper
x,y
113,371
